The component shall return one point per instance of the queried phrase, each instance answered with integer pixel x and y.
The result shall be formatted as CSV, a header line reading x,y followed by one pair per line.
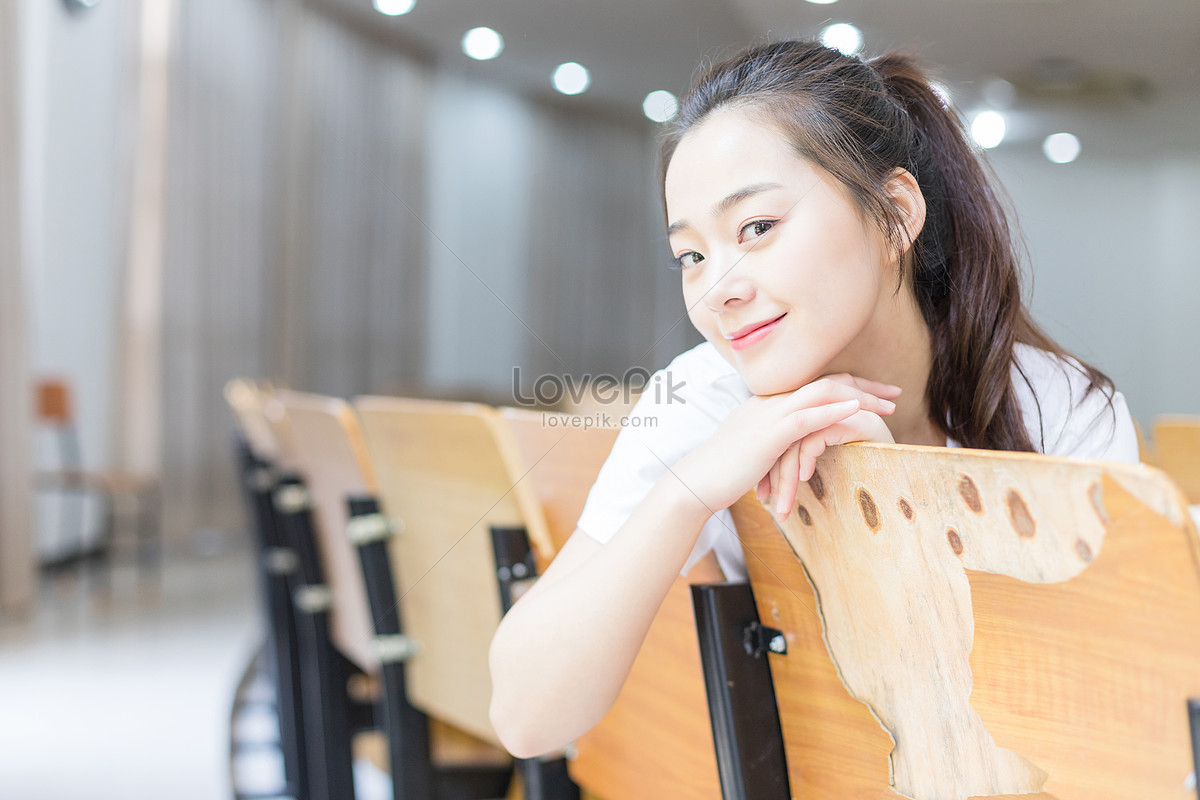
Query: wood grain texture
x,y
444,480
332,457
656,741
1177,452
1078,669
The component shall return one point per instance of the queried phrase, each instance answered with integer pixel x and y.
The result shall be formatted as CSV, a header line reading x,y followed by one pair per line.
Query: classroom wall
x,y
71,113
1115,254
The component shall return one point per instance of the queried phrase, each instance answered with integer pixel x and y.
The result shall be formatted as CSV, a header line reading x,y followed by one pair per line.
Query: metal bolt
x,y
519,569
777,644
503,573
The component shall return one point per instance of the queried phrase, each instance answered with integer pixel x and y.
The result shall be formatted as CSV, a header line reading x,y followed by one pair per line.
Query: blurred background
x,y
371,196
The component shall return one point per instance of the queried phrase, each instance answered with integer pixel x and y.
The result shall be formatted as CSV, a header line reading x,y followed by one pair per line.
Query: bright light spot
x,y
822,2
394,8
842,36
999,93
942,92
660,106
571,78
988,129
1061,148
482,43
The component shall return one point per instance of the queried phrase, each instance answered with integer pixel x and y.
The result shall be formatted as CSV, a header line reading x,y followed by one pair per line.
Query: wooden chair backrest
x,y
247,403
656,741
1177,452
444,477
332,458
52,402
1015,623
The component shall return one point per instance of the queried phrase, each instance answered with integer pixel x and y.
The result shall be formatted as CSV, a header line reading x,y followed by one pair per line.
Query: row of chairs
x,y
396,532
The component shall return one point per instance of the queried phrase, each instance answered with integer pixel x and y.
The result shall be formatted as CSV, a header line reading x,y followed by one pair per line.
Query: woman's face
x,y
779,270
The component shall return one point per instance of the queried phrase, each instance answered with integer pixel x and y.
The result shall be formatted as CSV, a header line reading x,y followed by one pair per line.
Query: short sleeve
x,y
681,408
1064,418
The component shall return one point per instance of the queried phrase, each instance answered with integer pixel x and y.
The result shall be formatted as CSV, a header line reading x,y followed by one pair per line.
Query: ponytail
x,y
860,121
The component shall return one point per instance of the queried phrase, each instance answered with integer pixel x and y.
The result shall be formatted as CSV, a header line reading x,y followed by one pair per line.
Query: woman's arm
x,y
560,656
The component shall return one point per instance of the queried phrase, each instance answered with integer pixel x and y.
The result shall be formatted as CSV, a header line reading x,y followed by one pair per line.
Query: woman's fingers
x,y
789,479
885,390
830,390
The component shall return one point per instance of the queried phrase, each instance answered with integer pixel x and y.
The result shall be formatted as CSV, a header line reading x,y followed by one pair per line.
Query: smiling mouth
x,y
754,335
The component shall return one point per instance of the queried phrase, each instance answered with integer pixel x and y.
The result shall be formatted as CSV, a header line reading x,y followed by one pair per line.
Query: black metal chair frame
x,y
414,775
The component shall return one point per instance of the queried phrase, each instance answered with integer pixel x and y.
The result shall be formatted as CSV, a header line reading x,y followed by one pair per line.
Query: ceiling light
x,y
394,8
482,44
822,2
571,78
1061,148
999,93
987,129
842,36
660,106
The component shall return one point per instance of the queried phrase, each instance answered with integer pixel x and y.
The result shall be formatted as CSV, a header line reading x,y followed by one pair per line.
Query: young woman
x,y
851,269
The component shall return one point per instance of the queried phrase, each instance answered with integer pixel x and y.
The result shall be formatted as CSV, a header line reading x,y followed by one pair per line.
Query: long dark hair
x,y
859,121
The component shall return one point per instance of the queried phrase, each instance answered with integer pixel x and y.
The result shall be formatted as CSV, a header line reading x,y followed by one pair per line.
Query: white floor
x,y
126,693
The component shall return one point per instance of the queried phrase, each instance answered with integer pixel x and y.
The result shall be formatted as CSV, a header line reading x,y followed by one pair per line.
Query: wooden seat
x,y
656,740
965,623
1177,452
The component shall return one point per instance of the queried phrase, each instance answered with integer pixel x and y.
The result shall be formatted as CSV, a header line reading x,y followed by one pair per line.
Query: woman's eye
x,y
753,230
685,260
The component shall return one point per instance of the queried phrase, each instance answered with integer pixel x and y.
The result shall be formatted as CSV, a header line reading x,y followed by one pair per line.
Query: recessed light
x,y
482,44
660,106
842,36
987,129
1061,148
571,78
394,8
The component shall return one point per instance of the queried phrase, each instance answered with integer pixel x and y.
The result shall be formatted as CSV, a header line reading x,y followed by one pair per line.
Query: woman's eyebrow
x,y
727,202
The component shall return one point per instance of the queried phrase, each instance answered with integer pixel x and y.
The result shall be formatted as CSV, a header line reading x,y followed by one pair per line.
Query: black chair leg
x,y
741,695
276,563
545,779
325,702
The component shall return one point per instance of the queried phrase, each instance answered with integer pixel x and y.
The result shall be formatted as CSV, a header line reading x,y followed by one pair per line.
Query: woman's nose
x,y
728,284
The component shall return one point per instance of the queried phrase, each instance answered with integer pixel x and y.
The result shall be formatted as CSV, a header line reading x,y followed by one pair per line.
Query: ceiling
x,y
1129,72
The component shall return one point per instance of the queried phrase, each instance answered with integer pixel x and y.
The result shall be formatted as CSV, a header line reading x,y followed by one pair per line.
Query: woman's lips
x,y
754,335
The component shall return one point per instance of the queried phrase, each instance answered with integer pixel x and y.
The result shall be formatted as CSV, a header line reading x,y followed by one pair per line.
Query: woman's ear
x,y
909,202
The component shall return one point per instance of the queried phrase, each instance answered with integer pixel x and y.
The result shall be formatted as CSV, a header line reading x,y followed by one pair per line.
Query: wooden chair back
x,y
247,403
983,623
444,480
52,402
331,456
656,741
1177,452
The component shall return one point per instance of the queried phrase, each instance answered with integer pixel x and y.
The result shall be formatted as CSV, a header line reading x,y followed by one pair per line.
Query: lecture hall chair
x,y
257,457
444,487
54,408
656,741
933,623
426,758
1177,452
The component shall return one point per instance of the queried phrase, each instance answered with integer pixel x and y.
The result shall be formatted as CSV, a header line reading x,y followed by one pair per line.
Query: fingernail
x,y
888,405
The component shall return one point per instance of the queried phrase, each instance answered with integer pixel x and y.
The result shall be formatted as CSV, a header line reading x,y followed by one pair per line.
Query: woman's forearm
x,y
561,654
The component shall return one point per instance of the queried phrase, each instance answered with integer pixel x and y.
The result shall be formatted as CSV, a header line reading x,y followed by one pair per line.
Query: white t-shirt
x,y
684,404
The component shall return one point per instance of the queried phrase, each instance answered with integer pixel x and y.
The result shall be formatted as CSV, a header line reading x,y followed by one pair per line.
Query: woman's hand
x,y
758,436
799,461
